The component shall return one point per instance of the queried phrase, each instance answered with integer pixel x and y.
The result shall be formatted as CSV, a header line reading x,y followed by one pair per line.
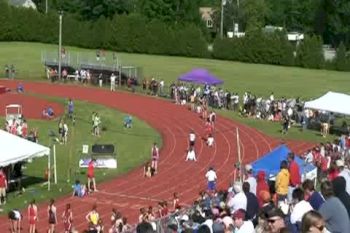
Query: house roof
x,y
206,12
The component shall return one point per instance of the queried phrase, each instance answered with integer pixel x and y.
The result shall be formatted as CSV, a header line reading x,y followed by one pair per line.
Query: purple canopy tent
x,y
200,76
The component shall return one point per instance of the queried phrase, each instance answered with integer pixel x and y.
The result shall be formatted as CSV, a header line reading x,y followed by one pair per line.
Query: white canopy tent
x,y
331,102
14,149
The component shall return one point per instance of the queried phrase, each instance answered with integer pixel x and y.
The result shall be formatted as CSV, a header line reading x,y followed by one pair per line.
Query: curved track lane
x,y
131,191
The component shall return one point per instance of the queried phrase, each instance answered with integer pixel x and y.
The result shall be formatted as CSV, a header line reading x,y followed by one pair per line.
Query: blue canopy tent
x,y
270,164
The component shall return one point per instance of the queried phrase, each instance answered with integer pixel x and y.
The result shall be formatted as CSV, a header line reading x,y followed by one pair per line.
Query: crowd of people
x,y
260,205
286,111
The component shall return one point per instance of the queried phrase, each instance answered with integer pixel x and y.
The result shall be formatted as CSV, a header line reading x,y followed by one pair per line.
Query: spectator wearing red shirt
x,y
3,187
91,175
333,172
261,186
294,171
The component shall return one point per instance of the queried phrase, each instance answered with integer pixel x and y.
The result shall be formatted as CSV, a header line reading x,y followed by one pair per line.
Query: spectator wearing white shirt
x,y
113,78
300,208
250,178
65,133
240,225
161,87
239,201
211,178
309,157
191,155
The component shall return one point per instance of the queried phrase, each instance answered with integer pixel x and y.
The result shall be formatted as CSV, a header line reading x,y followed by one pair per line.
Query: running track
x,y
130,192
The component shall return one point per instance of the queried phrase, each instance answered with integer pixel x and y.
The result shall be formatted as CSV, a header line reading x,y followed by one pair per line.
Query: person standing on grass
x,y
32,216
97,125
3,187
285,125
52,215
113,78
211,178
91,175
65,133
155,157
67,218
70,108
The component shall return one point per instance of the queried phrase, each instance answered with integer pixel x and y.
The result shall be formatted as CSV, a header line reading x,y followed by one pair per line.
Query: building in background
x,y
23,3
207,16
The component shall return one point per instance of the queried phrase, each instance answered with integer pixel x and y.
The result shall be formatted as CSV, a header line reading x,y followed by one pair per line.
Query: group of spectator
x,y
259,205
286,204
330,158
17,126
153,87
10,71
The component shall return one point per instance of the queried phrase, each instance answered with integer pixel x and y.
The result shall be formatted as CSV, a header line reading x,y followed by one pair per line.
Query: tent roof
x,y
270,163
13,106
200,76
14,149
331,102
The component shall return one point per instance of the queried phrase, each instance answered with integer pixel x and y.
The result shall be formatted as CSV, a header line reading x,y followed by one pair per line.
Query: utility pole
x,y
60,46
223,2
46,6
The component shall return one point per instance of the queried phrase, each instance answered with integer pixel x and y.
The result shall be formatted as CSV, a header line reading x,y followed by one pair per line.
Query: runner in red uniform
x,y
32,216
91,175
67,217
208,128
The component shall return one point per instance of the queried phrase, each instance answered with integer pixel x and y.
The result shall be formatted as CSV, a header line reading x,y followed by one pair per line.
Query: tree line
x,y
138,33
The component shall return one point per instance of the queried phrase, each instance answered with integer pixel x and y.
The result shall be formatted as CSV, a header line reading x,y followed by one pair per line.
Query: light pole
x,y
223,2
60,45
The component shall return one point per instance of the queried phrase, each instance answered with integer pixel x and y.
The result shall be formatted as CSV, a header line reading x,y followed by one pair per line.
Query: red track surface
x,y
32,107
130,192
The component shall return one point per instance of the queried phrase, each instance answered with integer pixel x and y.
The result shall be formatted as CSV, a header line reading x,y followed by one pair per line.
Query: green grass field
x,y
128,155
240,77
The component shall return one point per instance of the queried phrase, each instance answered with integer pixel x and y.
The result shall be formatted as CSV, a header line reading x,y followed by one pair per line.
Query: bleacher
x,y
98,68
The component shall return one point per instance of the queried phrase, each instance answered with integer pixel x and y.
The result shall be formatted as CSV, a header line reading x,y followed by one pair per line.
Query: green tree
x,y
6,23
171,11
254,13
341,61
310,53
